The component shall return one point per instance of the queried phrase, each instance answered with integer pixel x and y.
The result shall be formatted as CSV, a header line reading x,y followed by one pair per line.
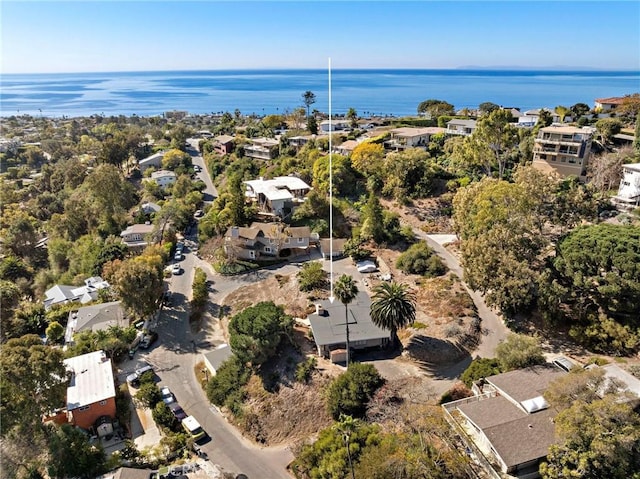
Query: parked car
x,y
366,266
197,168
199,214
176,269
167,395
134,378
178,256
192,426
177,411
149,338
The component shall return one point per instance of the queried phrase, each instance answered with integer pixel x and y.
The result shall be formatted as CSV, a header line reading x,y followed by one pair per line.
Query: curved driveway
x,y
494,329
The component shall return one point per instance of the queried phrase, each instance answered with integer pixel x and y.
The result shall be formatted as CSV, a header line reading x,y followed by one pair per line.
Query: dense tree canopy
x,y
257,331
519,351
594,281
27,366
350,392
435,108
597,428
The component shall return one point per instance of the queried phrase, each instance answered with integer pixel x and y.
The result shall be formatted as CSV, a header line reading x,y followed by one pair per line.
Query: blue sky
x,y
51,36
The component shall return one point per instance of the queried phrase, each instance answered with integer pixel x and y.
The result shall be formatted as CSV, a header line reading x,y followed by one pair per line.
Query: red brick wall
x,y
87,417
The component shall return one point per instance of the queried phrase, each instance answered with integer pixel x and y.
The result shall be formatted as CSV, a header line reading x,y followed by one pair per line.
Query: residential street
x,y
210,192
179,349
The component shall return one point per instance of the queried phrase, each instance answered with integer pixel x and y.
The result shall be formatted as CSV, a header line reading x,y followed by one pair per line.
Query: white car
x,y
176,269
366,266
167,395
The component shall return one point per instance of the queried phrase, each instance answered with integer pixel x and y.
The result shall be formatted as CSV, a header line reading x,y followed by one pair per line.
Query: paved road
x,y
210,192
492,324
174,359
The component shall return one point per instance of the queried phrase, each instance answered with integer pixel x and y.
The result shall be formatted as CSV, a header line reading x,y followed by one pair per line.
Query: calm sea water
x,y
379,92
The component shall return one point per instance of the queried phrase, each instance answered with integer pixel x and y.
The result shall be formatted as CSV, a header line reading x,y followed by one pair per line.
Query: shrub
x,y
519,351
457,391
304,371
350,392
480,368
420,259
164,418
312,276
229,379
452,330
148,395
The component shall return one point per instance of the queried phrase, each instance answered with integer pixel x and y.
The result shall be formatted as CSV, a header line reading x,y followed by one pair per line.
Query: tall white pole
x,y
331,297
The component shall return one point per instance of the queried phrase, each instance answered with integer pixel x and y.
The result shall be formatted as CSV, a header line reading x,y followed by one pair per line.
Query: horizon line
x,y
557,68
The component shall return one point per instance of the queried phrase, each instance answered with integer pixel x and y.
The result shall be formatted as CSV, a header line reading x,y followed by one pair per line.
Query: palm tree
x,y
346,426
562,112
393,307
346,291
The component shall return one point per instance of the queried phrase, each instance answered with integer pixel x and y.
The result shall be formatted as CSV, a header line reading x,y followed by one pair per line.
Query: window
x,y
103,403
84,408
267,249
300,240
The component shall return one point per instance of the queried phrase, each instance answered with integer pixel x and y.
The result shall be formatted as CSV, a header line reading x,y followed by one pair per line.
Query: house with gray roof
x,y
153,161
214,358
136,236
508,419
63,294
266,239
329,326
97,317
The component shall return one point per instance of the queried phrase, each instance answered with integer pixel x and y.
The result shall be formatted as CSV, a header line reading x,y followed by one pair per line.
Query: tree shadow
x,y
440,358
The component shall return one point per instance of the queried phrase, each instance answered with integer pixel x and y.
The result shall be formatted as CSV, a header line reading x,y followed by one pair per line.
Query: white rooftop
x,y
278,188
162,173
91,379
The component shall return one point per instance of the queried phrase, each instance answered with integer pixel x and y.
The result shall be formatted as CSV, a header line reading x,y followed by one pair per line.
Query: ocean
x,y
262,92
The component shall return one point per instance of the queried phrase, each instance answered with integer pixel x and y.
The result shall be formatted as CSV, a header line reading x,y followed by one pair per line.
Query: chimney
x,y
319,309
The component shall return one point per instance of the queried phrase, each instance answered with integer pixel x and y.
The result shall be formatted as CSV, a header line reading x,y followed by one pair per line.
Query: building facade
x,y
564,150
91,393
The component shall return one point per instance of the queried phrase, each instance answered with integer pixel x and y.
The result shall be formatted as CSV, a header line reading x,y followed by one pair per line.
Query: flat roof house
x,y
460,127
164,178
508,420
329,328
278,196
262,148
407,137
629,190
91,393
563,149
336,125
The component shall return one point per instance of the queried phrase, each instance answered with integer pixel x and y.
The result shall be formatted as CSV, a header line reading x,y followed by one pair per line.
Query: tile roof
x,y
614,100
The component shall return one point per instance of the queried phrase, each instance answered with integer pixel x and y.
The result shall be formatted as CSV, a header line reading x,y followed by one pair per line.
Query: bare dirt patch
x,y
446,326
281,289
432,215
